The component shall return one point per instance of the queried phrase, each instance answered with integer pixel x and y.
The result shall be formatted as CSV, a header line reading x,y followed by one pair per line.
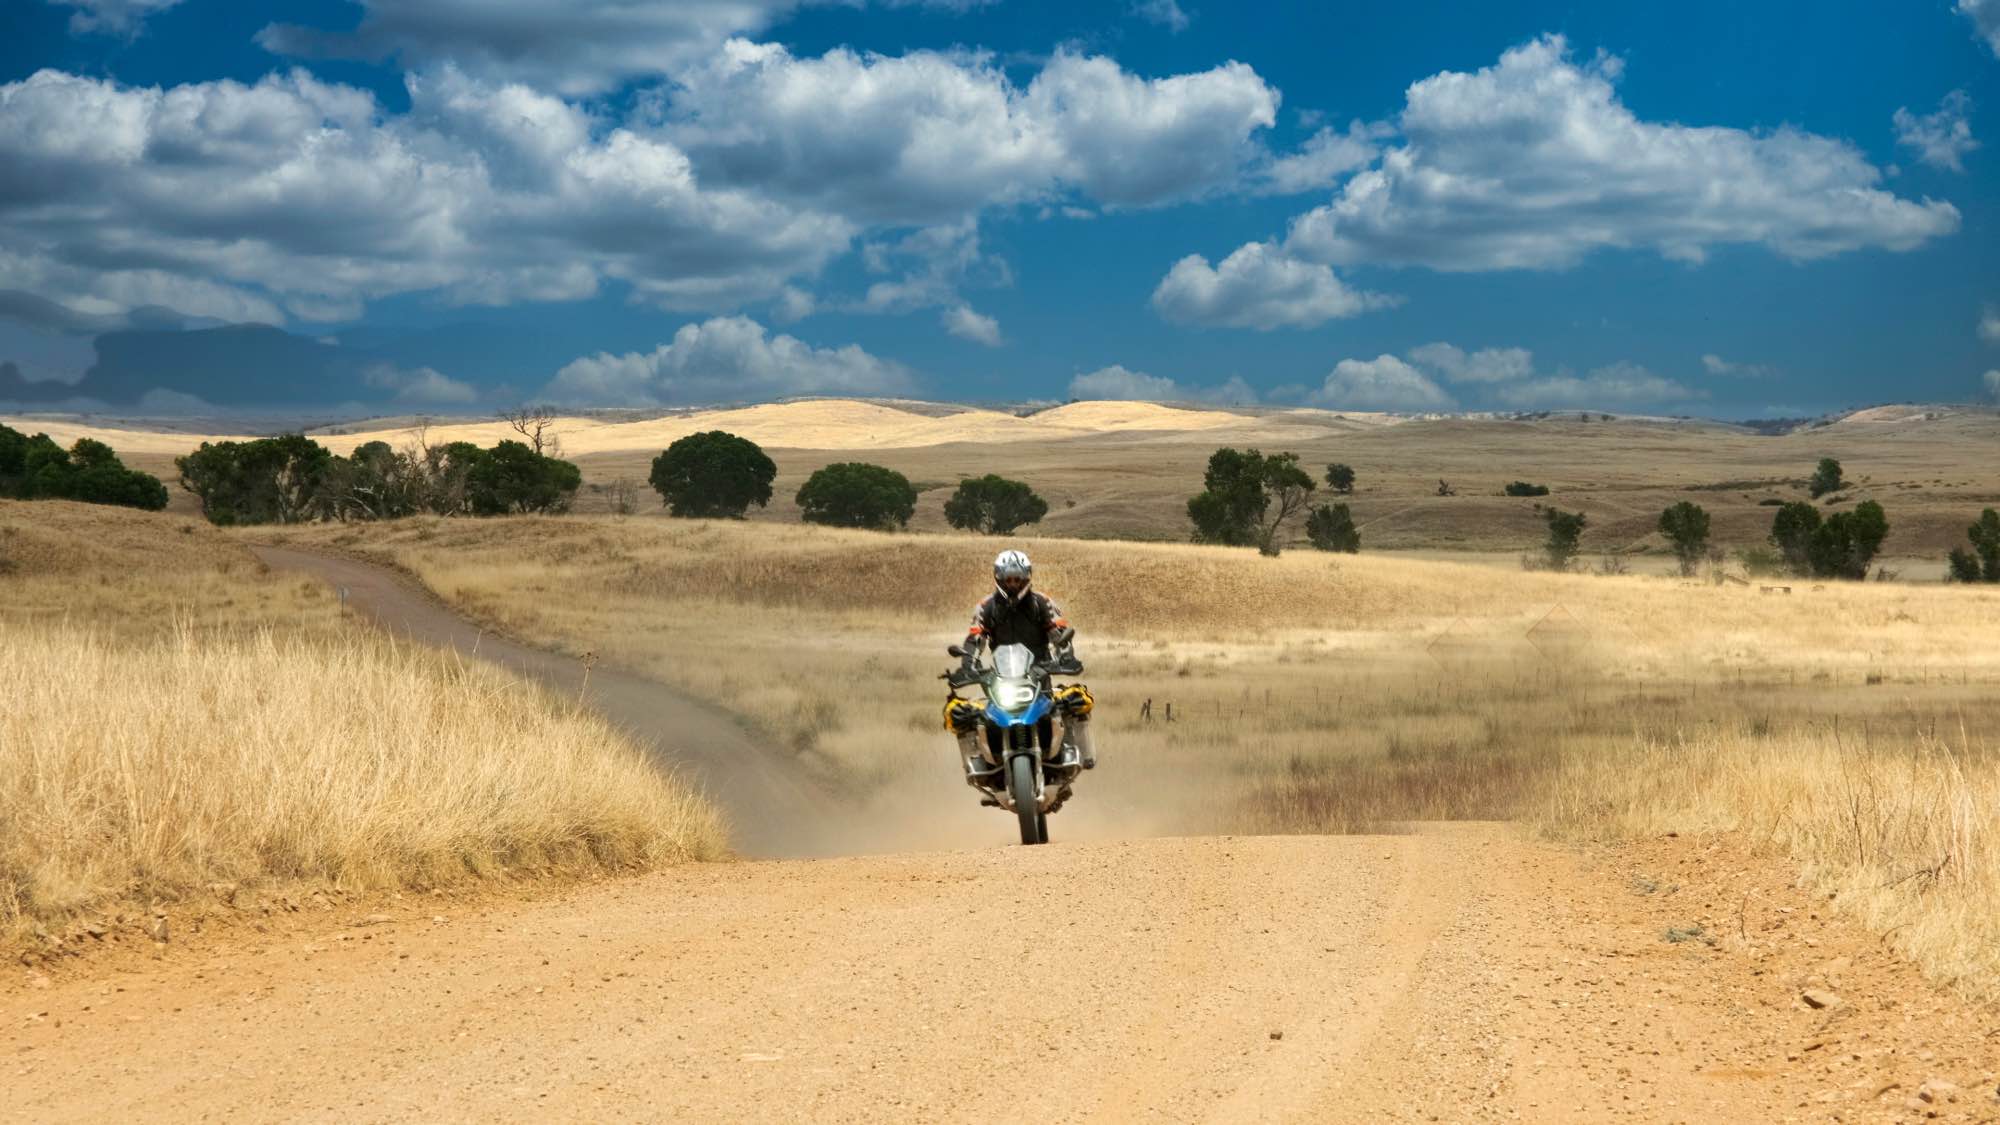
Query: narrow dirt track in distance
x,y
770,809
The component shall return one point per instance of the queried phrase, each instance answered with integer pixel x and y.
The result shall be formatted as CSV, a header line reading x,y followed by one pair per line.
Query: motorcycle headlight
x,y
1019,696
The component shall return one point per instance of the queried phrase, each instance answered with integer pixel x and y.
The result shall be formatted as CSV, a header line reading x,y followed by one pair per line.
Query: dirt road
x,y
1455,974
1460,975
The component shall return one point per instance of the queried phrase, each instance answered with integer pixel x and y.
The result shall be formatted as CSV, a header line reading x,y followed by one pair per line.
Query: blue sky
x,y
451,204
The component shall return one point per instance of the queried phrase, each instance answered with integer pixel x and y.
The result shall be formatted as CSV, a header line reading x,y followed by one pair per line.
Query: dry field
x,y
1850,726
1125,470
178,725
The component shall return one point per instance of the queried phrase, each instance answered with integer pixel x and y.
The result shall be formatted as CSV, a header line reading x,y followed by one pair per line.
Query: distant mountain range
x,y
256,366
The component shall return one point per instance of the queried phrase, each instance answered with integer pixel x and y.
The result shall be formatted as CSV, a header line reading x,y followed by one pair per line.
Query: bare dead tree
x,y
537,425
623,495
1445,489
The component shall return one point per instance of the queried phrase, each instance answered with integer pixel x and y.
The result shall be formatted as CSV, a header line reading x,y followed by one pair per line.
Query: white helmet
x,y
1012,564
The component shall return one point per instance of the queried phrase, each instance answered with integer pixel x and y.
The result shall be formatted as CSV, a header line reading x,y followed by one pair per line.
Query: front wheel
x,y
1021,784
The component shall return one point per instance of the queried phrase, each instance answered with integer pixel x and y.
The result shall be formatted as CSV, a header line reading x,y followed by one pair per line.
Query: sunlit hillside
x,y
1125,470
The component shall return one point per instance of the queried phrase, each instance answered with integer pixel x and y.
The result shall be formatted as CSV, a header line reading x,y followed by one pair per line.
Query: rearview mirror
x,y
955,650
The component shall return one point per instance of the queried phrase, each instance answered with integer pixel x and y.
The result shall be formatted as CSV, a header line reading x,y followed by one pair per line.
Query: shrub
x,y
1340,478
857,494
1844,545
1761,562
1523,488
1982,562
36,468
374,483
1330,527
511,478
1686,527
713,475
1826,478
993,505
270,480
291,478
1792,531
444,469
1565,529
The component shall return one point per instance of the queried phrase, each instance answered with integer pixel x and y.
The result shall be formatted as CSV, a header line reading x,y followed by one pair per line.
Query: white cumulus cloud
x,y
1985,15
1487,365
965,323
1382,383
1166,13
1618,384
1119,383
735,183
1258,286
725,359
930,137
1716,365
114,17
1993,384
1989,324
292,195
1939,139
575,47
1325,158
1534,163
419,385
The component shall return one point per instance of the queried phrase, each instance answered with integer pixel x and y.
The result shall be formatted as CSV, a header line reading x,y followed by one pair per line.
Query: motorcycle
x,y
1034,773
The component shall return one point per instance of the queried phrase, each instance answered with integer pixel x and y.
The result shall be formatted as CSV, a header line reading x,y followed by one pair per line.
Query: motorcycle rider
x,y
1016,614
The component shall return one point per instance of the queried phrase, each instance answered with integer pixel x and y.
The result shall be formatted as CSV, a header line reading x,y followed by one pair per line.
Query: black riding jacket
x,y
998,621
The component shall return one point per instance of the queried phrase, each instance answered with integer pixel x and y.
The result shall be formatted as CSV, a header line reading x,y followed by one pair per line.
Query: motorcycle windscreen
x,y
1011,662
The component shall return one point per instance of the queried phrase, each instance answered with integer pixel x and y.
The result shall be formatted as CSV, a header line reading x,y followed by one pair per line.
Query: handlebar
x,y
1067,665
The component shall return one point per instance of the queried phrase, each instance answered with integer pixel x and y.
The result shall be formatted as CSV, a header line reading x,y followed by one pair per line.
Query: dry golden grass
x,y
151,770
1319,694
175,717
1900,833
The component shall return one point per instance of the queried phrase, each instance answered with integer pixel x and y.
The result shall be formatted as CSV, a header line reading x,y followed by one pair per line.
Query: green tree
x,y
1982,562
442,471
1826,478
1232,502
1235,506
1792,529
270,480
13,456
993,505
1686,527
1330,527
1844,545
36,468
1340,478
1523,488
1565,529
858,494
374,482
513,479
713,475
